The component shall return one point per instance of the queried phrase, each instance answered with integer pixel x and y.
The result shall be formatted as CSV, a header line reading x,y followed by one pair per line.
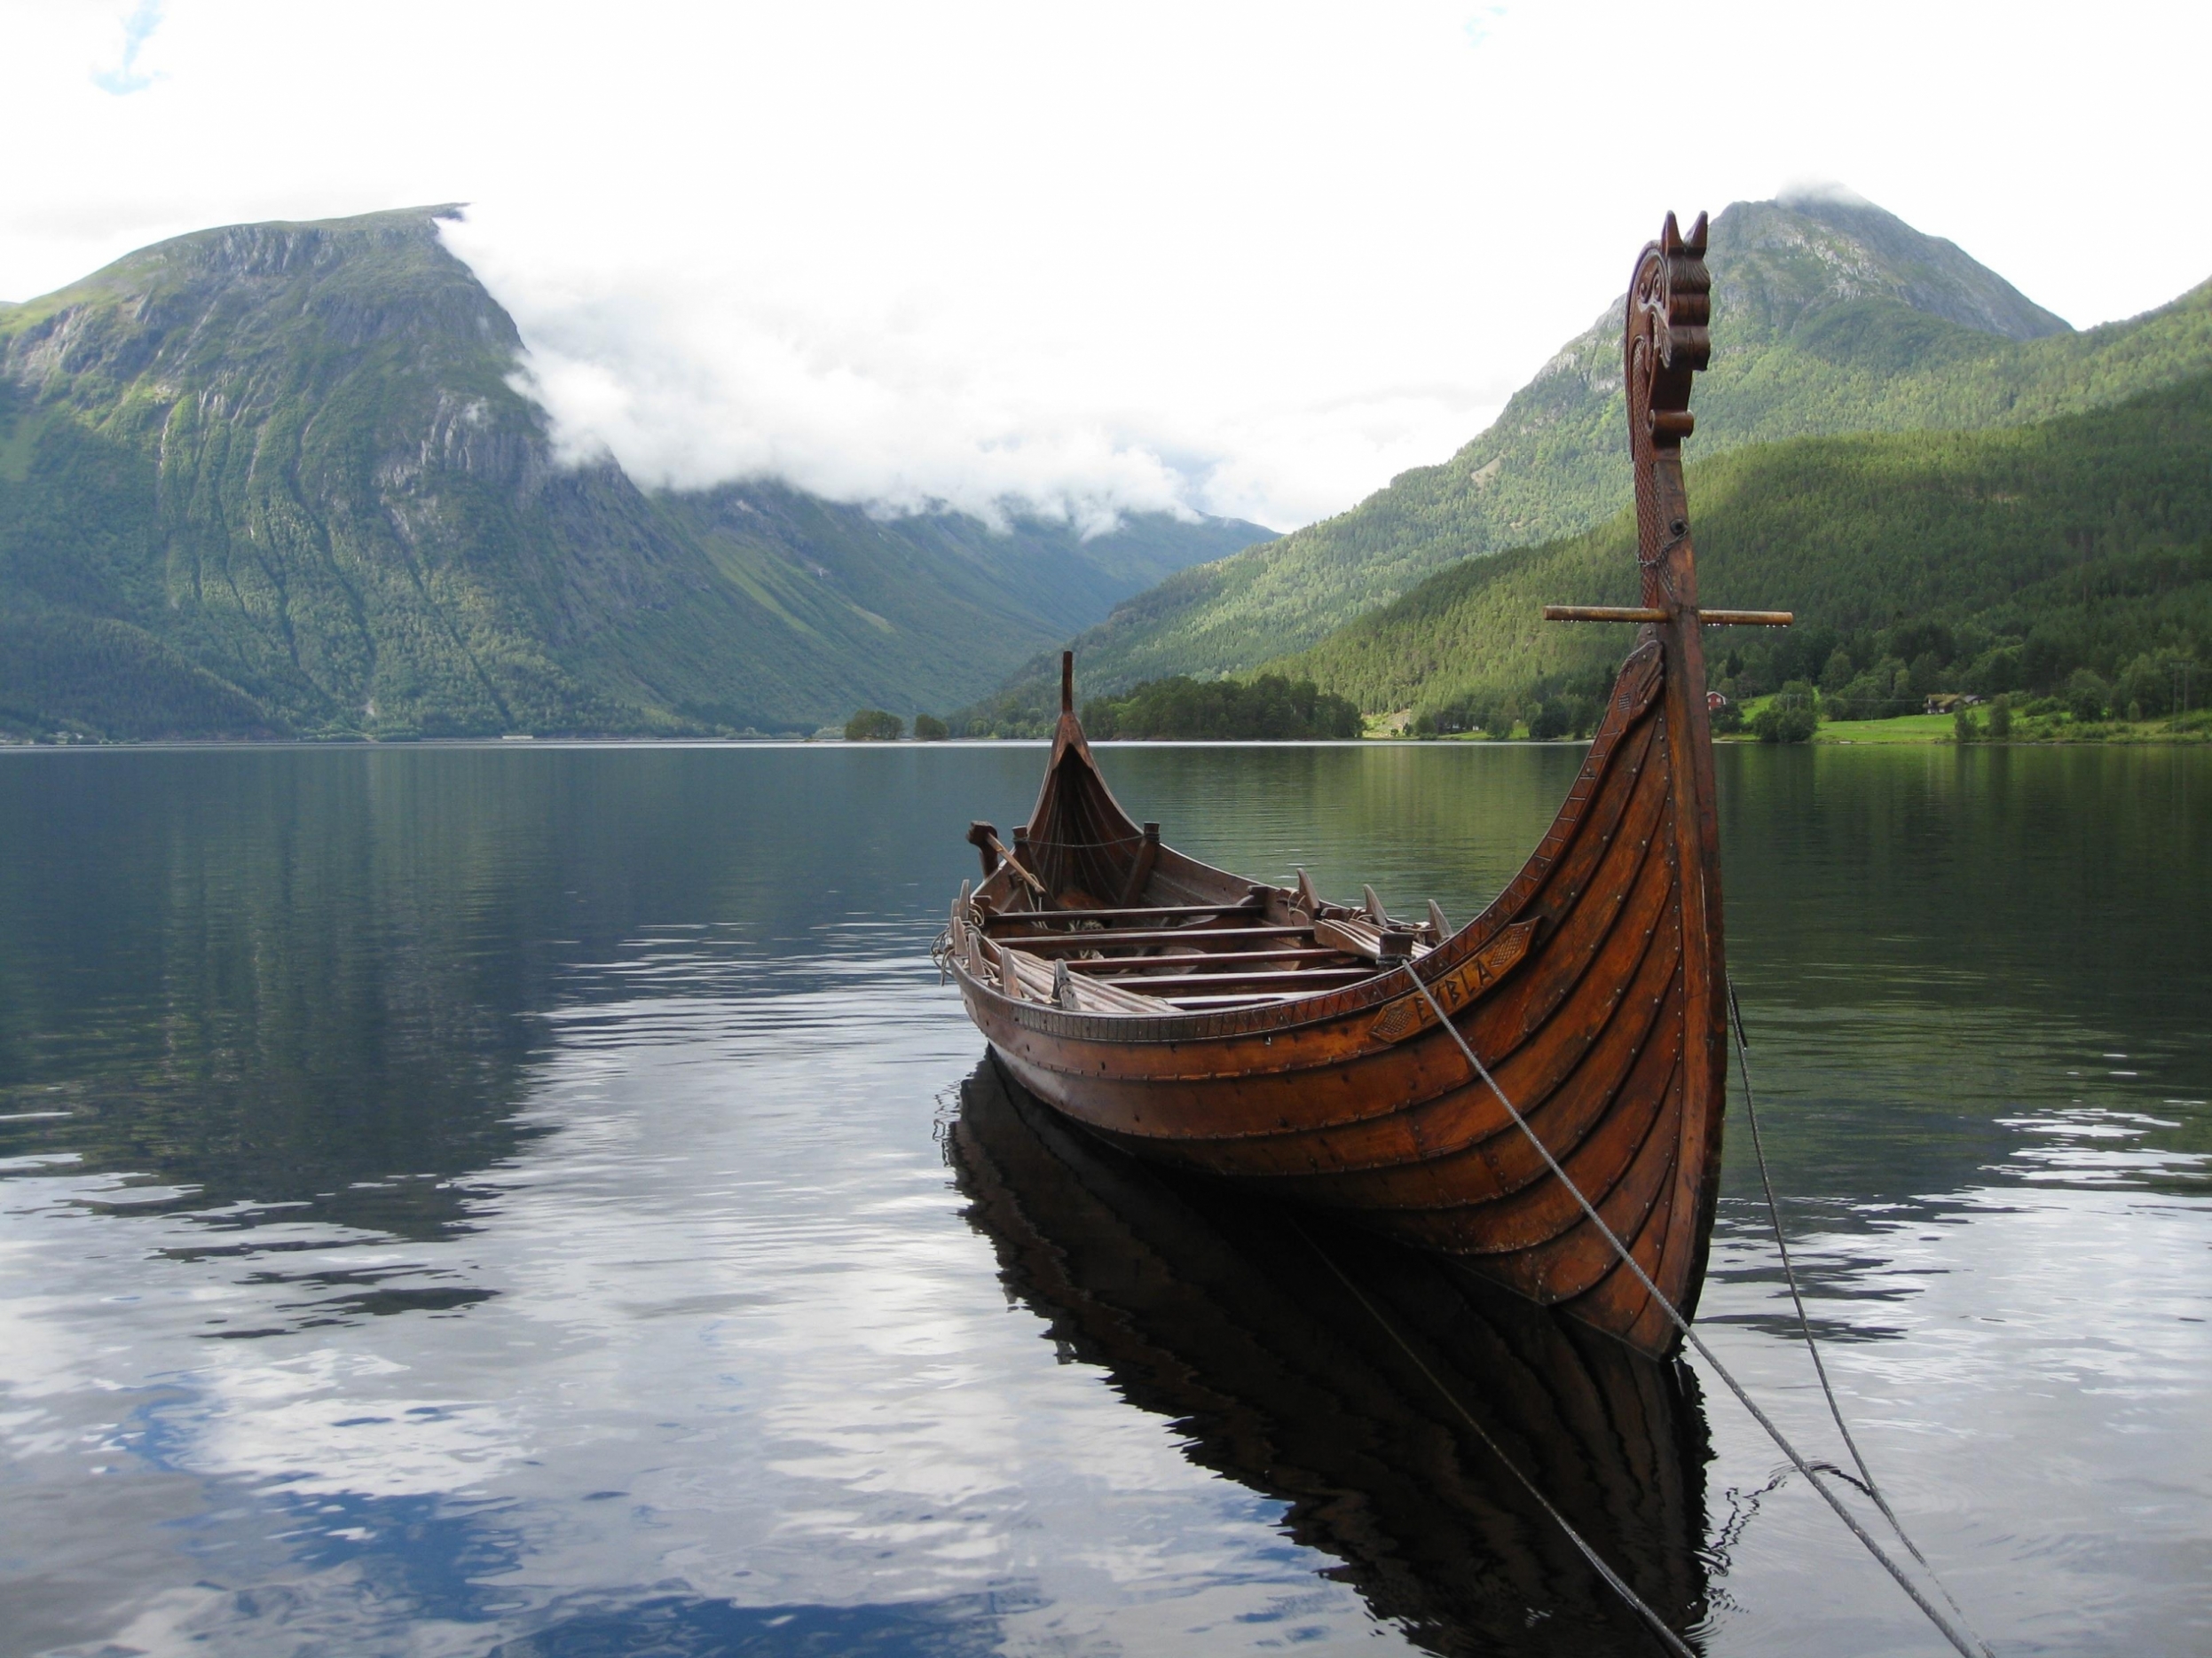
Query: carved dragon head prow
x,y
1667,340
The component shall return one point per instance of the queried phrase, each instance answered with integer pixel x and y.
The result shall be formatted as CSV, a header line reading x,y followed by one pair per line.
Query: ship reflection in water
x,y
1358,1382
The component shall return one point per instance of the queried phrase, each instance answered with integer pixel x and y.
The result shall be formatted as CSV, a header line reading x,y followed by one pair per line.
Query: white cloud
x,y
125,77
1253,259
1821,190
689,385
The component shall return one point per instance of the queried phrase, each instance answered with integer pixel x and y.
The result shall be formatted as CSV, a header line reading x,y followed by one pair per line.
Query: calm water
x,y
541,1200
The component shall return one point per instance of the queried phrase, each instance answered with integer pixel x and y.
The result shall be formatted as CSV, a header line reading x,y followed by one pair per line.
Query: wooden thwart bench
x,y
1196,956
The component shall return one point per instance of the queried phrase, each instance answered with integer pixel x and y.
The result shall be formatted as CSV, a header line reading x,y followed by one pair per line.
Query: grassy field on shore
x,y
1907,730
2045,727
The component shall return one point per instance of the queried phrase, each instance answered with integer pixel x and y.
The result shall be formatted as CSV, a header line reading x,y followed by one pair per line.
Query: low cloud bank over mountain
x,y
934,392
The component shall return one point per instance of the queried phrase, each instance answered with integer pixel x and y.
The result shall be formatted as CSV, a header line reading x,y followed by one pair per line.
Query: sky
x,y
1252,260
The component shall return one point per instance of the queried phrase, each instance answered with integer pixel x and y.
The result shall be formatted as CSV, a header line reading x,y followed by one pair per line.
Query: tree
x,y
2001,719
1791,718
872,725
2086,694
1838,673
1465,714
1552,719
1964,727
2155,679
929,728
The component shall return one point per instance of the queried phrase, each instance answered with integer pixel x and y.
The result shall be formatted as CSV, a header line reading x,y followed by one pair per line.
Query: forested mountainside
x,y
275,479
2010,558
1828,318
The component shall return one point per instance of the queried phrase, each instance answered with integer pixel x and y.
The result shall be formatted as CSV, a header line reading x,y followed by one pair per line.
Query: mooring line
x,y
1866,1480
1619,1584
1681,1323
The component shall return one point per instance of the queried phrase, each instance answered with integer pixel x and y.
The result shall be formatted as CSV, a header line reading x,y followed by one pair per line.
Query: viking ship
x,y
1271,1036
1393,1405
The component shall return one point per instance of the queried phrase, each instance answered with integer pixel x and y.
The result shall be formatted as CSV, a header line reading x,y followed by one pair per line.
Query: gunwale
x,y
1637,685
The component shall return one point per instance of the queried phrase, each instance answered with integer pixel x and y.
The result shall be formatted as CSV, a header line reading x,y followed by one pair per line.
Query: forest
x,y
2011,560
1269,708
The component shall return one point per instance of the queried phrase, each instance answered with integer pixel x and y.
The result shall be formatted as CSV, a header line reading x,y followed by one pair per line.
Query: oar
x,y
985,837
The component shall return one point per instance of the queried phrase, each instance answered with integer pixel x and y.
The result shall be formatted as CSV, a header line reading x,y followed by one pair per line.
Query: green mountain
x,y
275,478
1829,317
2010,558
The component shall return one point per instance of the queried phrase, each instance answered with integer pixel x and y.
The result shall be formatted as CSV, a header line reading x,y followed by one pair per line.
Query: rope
x,y
1674,1643
1773,1433
1866,1480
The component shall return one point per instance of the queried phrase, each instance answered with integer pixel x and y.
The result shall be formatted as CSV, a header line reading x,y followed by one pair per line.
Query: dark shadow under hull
x,y
1358,1381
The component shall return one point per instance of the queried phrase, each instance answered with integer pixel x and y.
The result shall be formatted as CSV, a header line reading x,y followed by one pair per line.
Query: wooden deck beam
x,y
1127,938
1164,912
1125,964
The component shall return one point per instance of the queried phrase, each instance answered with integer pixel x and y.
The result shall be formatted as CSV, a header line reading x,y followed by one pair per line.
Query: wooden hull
x,y
1262,1335
1592,988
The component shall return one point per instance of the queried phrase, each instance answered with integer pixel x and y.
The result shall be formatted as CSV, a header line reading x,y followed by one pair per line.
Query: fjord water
x,y
541,1200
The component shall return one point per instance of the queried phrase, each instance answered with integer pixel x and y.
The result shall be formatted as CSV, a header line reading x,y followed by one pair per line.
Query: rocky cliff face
x,y
1778,263
1783,268
344,508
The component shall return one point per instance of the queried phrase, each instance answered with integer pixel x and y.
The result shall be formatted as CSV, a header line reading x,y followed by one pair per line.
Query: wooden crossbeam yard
x,y
1643,613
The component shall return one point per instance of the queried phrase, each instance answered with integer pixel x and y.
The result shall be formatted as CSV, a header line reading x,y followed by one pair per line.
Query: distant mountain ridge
x,y
1830,316
1805,251
275,478
2006,560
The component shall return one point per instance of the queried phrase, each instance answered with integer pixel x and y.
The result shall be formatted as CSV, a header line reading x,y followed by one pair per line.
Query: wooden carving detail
x,y
1457,988
1668,339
